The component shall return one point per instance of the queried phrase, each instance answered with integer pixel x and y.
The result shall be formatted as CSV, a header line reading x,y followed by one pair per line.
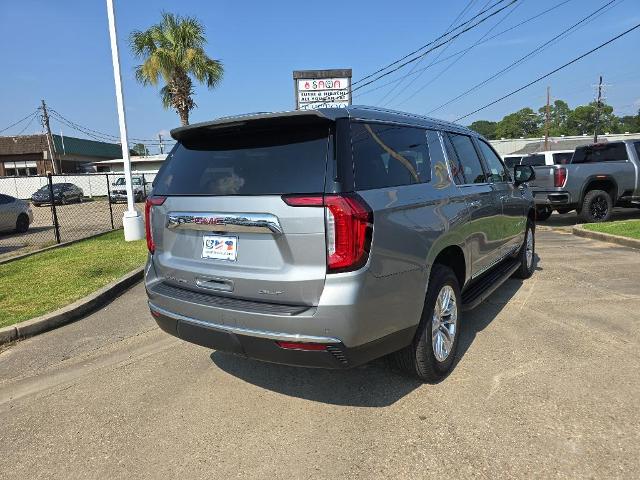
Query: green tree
x,y
174,51
523,123
630,123
583,120
140,149
485,128
559,116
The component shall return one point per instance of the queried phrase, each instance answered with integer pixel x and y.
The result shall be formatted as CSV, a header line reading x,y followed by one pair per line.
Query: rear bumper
x,y
262,345
552,198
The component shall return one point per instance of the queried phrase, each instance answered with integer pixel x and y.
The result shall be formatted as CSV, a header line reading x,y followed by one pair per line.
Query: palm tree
x,y
174,50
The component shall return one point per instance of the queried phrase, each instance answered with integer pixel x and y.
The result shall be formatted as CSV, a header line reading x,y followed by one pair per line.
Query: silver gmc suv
x,y
329,238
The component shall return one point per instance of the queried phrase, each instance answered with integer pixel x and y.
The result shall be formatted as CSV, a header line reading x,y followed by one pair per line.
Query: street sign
x,y
322,88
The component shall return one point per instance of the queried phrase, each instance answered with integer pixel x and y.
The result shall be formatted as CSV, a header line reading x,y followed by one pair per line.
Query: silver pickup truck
x,y
600,176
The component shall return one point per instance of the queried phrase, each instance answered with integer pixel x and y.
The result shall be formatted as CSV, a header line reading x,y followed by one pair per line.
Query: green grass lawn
x,y
49,280
624,228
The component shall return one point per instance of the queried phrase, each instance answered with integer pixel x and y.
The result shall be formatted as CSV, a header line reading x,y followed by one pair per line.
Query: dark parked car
x,y
62,193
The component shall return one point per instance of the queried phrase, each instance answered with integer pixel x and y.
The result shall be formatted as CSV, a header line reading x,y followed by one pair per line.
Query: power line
x,y
33,117
533,52
542,77
433,48
462,52
19,121
447,31
457,59
431,43
101,136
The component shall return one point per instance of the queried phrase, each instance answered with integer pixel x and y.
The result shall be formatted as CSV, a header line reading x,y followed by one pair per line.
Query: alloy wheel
x,y
444,323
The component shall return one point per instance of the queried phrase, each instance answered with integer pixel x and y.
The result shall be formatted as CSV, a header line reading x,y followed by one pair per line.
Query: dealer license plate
x,y
220,247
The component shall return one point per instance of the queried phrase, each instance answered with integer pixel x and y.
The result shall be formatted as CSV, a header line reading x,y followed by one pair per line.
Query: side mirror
x,y
523,174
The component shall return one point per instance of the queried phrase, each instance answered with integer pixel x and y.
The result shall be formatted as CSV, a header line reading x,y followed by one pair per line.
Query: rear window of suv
x,y
247,162
600,152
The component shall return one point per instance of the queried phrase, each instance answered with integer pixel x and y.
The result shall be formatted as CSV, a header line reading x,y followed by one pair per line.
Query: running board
x,y
477,292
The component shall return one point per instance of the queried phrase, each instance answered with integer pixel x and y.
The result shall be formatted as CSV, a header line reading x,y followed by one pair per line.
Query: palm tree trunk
x,y
184,116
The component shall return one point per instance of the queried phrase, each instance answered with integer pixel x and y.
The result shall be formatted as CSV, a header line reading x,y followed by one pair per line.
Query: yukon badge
x,y
270,292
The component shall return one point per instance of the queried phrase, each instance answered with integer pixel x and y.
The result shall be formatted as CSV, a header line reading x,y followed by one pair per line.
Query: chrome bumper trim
x,y
279,336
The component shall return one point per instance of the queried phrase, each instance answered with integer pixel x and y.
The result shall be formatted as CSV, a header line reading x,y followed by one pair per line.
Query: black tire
x,y
138,197
596,206
527,264
543,213
419,359
22,223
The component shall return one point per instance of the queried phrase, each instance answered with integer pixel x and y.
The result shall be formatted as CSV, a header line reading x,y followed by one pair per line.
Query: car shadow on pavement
x,y
481,317
375,384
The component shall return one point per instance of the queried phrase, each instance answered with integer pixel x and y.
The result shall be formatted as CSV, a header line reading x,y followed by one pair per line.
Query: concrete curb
x,y
72,312
606,237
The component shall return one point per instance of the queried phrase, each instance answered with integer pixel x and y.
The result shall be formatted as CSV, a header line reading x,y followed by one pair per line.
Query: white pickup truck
x,y
599,177
118,191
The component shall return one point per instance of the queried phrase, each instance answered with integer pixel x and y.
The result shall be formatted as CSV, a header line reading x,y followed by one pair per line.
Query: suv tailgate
x,y
224,192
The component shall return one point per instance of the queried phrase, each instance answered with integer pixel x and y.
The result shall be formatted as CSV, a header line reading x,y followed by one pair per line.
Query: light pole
x,y
132,221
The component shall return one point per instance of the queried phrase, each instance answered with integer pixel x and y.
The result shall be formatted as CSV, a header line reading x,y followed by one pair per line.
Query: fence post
x,y
144,186
109,201
54,213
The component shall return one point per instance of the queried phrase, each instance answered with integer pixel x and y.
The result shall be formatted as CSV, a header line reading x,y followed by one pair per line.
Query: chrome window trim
x,y
224,222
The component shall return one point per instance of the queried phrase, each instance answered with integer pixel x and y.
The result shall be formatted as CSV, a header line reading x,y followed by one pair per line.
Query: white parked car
x,y
15,214
552,157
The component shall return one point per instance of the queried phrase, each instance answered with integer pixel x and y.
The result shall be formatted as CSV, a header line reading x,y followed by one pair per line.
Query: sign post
x,y
322,88
132,221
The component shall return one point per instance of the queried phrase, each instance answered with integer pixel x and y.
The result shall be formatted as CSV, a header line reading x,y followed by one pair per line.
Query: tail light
x,y
151,202
348,224
559,177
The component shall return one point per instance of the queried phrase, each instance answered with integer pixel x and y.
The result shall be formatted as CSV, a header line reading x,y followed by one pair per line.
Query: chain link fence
x,y
83,205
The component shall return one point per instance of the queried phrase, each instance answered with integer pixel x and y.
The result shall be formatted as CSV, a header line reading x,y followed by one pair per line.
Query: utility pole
x,y
161,145
50,144
598,106
547,119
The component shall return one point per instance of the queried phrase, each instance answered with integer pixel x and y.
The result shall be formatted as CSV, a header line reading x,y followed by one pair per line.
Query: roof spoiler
x,y
260,121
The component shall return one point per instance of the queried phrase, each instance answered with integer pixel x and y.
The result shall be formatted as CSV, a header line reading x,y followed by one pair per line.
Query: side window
x,y
533,160
388,155
497,172
5,199
601,152
562,158
637,145
465,160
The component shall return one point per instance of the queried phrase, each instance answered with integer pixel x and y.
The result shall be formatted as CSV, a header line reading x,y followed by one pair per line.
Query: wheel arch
x,y
601,182
453,257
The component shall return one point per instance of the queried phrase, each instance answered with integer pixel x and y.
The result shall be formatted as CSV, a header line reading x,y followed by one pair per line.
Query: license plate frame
x,y
220,247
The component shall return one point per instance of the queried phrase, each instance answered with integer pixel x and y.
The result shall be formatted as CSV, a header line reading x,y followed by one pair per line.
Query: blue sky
x,y
59,51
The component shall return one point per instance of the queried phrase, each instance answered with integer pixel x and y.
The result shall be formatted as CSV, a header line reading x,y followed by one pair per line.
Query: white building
x,y
146,164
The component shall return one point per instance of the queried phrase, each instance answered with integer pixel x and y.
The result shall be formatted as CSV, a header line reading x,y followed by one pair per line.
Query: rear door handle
x,y
504,197
474,203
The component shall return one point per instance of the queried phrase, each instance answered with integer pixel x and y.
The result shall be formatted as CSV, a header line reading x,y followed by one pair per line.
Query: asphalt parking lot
x,y
546,386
